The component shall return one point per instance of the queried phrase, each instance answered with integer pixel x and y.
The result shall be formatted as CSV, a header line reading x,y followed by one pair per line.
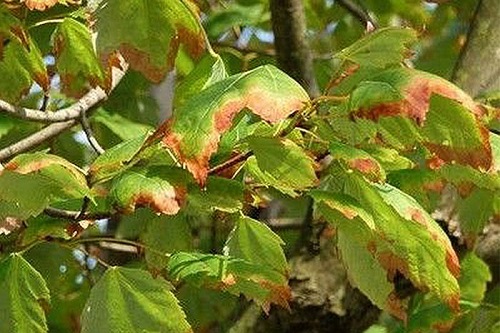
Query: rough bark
x,y
478,69
292,50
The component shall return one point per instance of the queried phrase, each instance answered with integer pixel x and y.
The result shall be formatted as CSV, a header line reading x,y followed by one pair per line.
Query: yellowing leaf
x,y
196,127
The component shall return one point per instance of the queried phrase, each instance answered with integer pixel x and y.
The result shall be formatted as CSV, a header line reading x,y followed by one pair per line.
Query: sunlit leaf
x,y
131,300
195,129
255,242
23,297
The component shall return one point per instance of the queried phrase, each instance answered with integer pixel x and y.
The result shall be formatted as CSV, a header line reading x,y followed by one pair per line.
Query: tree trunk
x,y
478,69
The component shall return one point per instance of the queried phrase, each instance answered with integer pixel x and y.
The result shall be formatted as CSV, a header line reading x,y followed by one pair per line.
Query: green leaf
x,y
196,127
23,293
147,33
123,127
76,61
220,194
41,227
209,70
256,243
381,49
131,300
163,236
235,14
21,62
282,164
259,283
161,189
115,159
358,159
475,275
30,182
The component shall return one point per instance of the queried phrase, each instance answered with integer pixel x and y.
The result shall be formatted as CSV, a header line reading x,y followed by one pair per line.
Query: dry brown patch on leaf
x,y
452,262
396,307
278,294
259,102
9,224
40,5
195,42
416,99
164,202
365,165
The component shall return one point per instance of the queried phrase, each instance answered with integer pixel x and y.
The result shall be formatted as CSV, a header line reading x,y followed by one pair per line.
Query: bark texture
x,y
478,69
292,48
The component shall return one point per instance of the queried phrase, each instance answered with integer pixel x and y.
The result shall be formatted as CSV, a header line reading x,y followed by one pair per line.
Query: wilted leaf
x,y
282,164
23,296
259,283
157,188
255,242
131,300
76,61
147,33
195,129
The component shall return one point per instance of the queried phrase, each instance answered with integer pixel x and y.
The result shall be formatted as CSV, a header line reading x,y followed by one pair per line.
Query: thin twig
x,y
360,13
90,135
45,102
229,163
74,215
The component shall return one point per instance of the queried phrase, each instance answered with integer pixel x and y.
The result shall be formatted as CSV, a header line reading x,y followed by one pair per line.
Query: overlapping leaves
x,y
384,232
195,129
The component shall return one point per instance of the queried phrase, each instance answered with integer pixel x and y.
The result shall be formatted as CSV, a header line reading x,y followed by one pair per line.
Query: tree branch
x,y
74,215
292,50
90,135
74,111
91,99
360,13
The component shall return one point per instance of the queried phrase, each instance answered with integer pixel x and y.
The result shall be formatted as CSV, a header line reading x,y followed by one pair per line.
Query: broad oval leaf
x,y
147,33
255,242
358,159
23,293
195,129
131,300
76,61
